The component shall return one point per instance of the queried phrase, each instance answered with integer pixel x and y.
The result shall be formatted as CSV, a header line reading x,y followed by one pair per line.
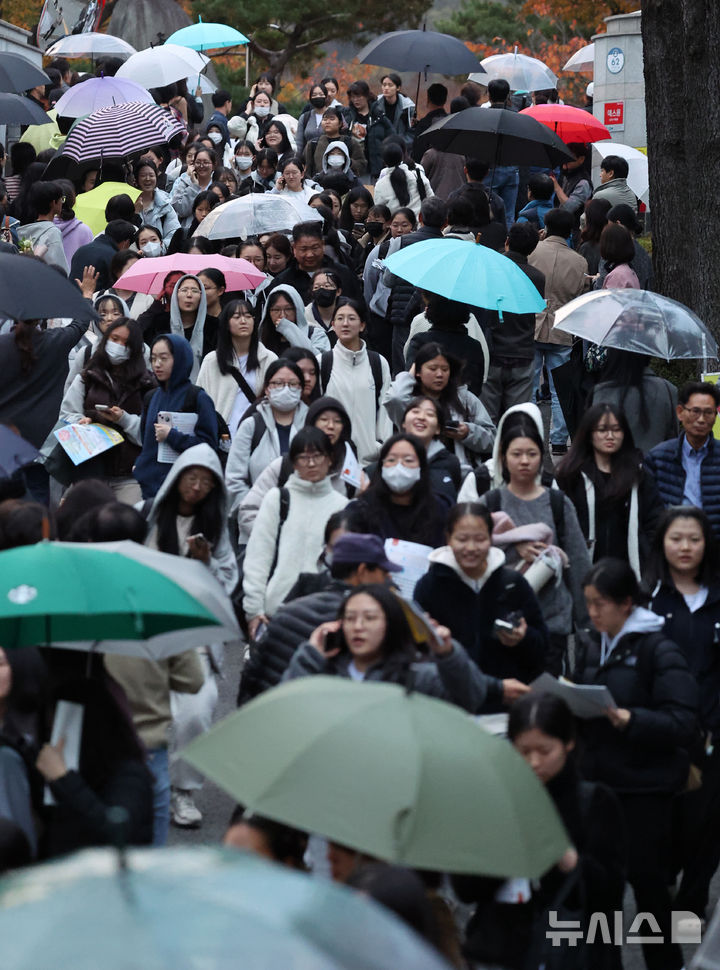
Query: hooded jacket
x,y
385,194
148,471
162,216
355,161
470,607
223,564
469,492
90,341
46,234
74,235
647,674
300,333
203,334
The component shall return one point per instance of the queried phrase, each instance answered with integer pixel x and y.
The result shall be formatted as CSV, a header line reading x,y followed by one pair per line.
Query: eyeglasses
x,y
701,412
160,358
200,481
613,431
409,461
277,385
310,459
188,292
280,308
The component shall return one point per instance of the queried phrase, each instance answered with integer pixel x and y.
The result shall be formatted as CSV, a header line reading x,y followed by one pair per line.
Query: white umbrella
x,y
254,214
90,45
522,73
206,85
637,178
157,66
582,60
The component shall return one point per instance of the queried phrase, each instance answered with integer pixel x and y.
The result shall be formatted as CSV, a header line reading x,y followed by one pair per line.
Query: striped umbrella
x,y
119,131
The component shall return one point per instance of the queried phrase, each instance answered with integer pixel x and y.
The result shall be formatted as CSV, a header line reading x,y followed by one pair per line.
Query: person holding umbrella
x,y
396,107
574,188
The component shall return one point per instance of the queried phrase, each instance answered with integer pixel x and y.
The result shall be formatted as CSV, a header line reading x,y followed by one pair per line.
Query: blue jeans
x,y
160,767
505,180
552,355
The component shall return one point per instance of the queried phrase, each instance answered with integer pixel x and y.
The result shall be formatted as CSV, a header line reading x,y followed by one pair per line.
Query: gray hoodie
x,y
177,326
639,621
300,333
343,147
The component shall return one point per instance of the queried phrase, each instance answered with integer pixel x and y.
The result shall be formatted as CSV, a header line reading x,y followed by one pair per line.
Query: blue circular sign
x,y
615,60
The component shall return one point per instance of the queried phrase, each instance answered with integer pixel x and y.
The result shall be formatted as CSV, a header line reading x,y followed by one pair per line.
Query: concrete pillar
x,y
619,85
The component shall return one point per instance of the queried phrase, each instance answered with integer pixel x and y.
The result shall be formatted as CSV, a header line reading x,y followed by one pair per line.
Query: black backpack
x,y
557,506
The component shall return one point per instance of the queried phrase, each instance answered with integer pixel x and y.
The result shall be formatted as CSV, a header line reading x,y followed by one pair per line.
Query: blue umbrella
x,y
468,273
207,37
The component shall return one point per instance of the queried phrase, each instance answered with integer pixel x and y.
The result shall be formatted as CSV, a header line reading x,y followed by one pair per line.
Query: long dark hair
x,y
547,713
398,647
449,396
393,156
359,192
615,580
224,354
132,368
658,569
23,335
208,516
378,497
626,467
523,427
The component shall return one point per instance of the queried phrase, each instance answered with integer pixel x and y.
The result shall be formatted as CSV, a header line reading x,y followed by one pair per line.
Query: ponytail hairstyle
x,y
393,156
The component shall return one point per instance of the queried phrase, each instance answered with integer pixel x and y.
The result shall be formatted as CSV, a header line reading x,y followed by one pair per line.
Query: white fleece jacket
x,y
223,388
301,542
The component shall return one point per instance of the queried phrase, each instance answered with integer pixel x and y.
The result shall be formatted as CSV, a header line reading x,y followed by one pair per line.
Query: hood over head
x,y
329,404
343,147
177,326
292,294
202,456
532,411
182,359
124,309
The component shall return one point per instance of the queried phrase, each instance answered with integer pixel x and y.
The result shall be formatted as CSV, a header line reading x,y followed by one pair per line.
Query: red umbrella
x,y
147,275
569,124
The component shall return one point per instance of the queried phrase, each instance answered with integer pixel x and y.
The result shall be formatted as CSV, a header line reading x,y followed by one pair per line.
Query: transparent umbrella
x,y
582,60
522,73
254,214
637,321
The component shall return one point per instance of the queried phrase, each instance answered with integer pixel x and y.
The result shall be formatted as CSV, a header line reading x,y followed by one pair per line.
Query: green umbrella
x,y
196,908
397,775
70,593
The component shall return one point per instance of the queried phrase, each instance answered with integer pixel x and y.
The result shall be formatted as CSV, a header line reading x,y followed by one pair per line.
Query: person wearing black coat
x,y
118,235
468,588
686,594
640,748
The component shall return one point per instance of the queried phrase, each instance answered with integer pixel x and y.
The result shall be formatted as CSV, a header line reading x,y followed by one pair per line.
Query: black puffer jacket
x,y
647,674
289,627
402,291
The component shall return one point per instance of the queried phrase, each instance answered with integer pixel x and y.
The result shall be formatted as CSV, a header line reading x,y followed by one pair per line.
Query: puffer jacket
x,y
664,464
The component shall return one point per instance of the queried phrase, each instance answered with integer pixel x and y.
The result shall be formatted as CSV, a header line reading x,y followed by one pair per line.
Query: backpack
x,y
557,506
326,363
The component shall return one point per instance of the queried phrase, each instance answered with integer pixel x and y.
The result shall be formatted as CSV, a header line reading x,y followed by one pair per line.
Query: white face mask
x,y
152,249
118,353
400,479
262,110
336,161
243,162
284,398
215,137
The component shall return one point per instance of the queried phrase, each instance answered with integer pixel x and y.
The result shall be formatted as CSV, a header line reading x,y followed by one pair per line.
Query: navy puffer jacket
x,y
665,465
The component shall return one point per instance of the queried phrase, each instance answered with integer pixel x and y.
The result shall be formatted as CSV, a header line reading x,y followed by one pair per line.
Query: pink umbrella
x,y
147,275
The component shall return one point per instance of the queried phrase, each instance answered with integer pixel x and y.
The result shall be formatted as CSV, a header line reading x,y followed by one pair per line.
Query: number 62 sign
x,y
615,60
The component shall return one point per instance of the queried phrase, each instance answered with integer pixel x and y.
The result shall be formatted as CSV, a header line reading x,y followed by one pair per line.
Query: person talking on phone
x,y
490,608
188,518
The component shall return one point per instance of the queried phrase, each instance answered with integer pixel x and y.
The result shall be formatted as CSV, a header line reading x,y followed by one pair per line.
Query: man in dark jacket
x,y
686,469
437,95
356,559
476,171
99,253
510,377
308,257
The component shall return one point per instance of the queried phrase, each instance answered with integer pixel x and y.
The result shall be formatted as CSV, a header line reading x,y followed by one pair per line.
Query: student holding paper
x,y
640,749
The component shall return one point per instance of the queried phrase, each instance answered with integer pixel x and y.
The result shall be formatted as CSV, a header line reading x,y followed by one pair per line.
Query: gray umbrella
x,y
17,110
17,73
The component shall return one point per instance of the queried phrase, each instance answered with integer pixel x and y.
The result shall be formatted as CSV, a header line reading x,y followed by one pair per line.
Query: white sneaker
x,y
183,810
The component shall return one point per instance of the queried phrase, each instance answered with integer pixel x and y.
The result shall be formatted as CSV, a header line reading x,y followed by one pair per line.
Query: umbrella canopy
x,y
100,92
90,206
199,907
522,73
158,66
17,73
638,321
110,600
91,44
638,178
148,275
201,81
498,136
15,452
119,131
468,273
570,124
31,290
420,50
582,60
404,777
18,110
254,214
207,37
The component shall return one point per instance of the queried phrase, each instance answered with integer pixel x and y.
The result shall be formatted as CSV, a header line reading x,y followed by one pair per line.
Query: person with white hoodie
x,y
187,317
469,588
288,534
283,323
359,378
188,517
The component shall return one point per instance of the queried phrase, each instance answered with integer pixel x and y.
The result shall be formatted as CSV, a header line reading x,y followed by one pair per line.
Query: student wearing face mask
x,y
153,205
309,127
326,290
242,163
116,379
336,172
149,241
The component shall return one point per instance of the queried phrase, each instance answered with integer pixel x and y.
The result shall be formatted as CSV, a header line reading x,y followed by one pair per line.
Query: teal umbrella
x,y
467,272
194,908
397,775
207,37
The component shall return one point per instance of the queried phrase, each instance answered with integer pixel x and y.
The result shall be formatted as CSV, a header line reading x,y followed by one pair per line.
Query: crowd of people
x,y
334,430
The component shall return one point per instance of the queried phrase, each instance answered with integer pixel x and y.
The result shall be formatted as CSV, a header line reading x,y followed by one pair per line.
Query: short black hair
x,y
458,104
615,164
699,387
120,231
434,212
395,78
522,237
120,207
310,439
476,168
301,229
559,222
437,94
41,197
541,186
498,89
460,212
625,215
221,97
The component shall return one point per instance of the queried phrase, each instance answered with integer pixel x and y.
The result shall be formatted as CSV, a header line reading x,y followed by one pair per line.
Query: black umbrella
x,y
498,136
15,452
421,50
17,110
32,290
18,74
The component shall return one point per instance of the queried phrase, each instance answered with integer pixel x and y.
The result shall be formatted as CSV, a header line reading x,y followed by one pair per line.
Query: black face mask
x,y
317,102
324,296
375,229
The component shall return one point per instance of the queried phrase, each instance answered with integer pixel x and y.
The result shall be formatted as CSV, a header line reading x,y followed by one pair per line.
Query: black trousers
x,y
696,836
